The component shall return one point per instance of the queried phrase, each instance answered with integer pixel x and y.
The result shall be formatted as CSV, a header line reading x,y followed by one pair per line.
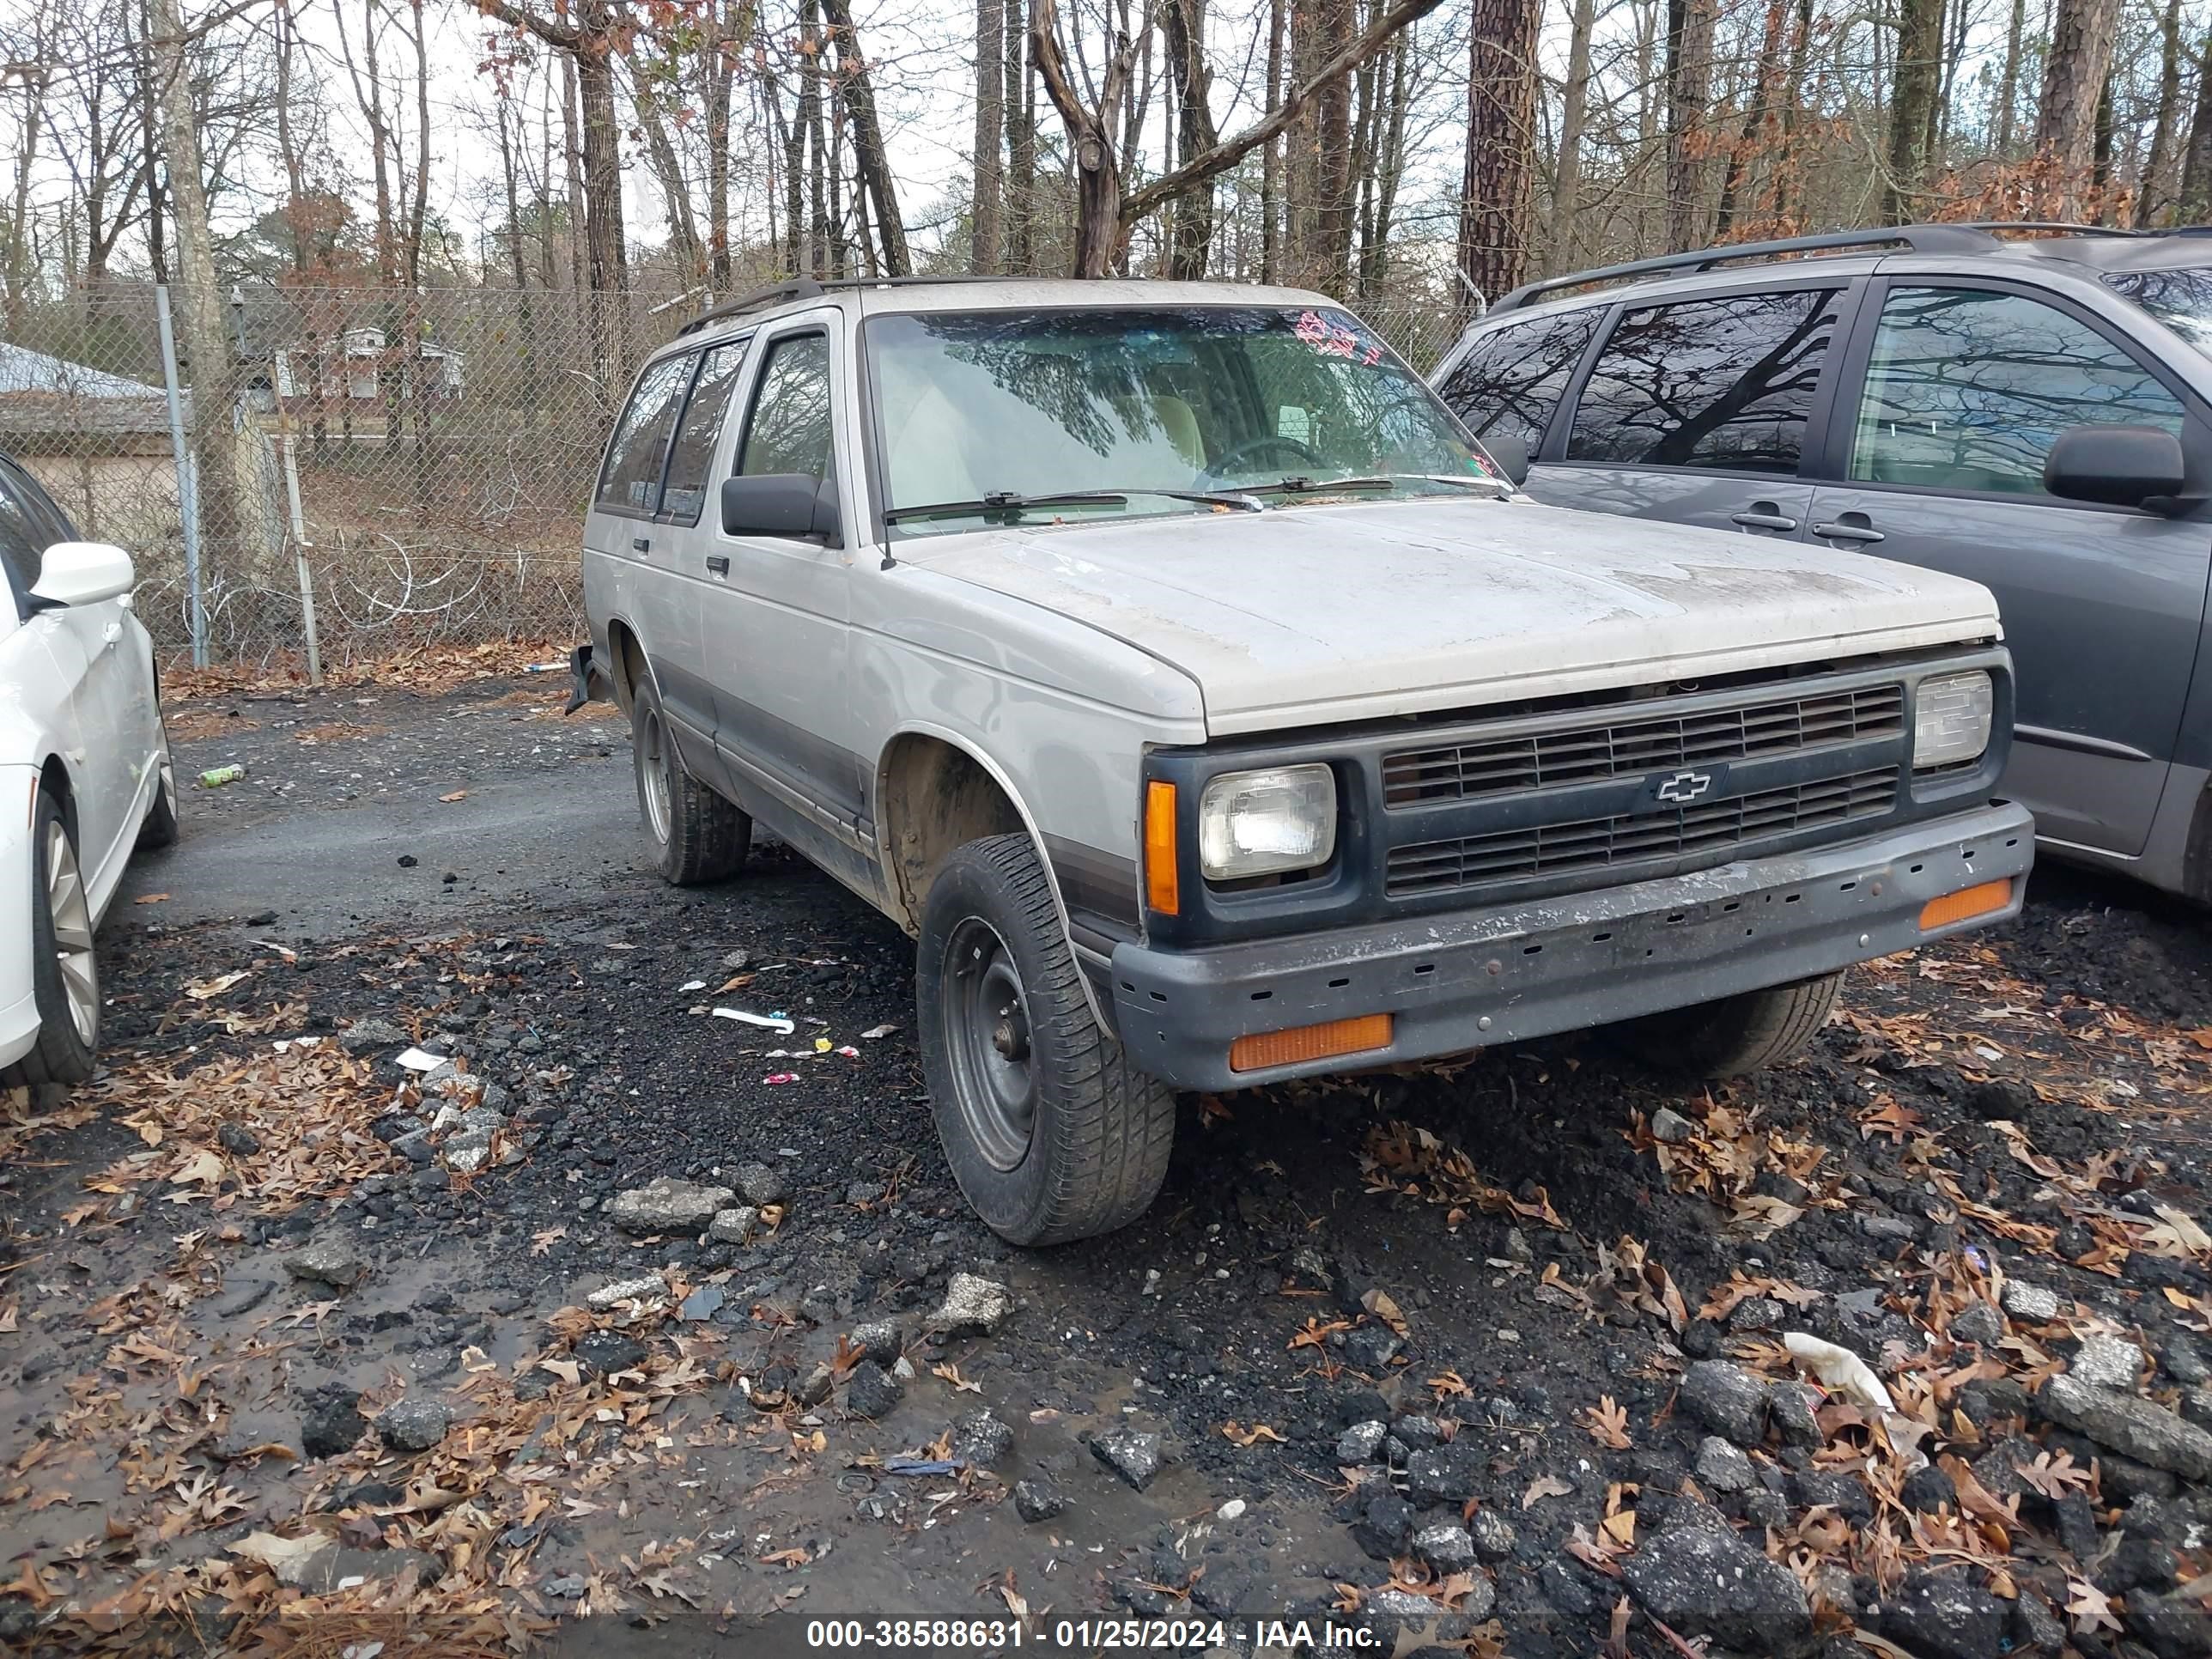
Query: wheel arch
x,y
627,662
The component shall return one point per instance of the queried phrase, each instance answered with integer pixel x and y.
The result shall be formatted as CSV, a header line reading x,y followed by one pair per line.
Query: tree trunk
x,y
1689,86
1780,210
2100,156
1389,173
1332,215
1574,105
2151,189
2074,77
676,194
1020,94
1501,142
721,67
814,51
1271,155
1912,107
2008,80
990,116
1193,211
2195,204
868,140
572,172
1757,115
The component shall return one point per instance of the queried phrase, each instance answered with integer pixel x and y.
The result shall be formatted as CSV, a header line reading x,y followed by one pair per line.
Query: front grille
x,y
1559,849
1508,764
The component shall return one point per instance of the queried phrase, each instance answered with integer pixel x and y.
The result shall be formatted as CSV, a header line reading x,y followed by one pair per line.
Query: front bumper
x,y
1463,979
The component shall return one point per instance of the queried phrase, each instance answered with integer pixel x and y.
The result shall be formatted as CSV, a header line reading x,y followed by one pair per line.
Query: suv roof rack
x,y
793,289
1977,236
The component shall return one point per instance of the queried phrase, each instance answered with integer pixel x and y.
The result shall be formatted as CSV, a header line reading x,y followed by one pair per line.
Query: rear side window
x,y
693,452
631,479
1511,382
788,431
1726,383
29,523
1968,388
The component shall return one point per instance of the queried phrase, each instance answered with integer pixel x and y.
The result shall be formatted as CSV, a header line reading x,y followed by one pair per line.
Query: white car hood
x,y
1319,614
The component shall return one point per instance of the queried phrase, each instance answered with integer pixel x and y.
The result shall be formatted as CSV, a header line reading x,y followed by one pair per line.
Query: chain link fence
x,y
379,469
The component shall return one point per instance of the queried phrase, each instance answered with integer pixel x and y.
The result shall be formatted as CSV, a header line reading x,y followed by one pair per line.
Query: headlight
x,y
1951,718
1261,824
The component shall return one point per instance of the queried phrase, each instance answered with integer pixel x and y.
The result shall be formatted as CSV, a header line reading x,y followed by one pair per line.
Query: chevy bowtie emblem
x,y
1682,787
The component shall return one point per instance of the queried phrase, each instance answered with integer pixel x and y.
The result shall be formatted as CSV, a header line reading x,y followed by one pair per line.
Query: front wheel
x,y
1737,1035
1051,1134
64,973
698,837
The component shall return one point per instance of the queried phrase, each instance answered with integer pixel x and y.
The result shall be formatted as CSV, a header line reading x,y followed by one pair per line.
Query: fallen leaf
x,y
1379,1304
458,794
796,1556
1543,1486
542,1242
151,899
2092,1609
1608,1423
200,990
1236,1435
950,1373
279,1554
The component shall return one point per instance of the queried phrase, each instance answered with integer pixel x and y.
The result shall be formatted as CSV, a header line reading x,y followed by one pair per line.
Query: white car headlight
x,y
1262,823
1951,718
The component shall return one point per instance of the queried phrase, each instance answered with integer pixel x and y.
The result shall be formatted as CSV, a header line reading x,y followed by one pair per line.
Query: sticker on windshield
x,y
1333,339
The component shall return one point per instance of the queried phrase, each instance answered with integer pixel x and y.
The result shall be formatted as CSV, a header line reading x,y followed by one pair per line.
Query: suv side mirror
x,y
791,505
1510,451
82,572
2116,465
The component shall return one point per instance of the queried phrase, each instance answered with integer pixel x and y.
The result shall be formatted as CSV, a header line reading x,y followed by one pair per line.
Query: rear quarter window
x,y
631,479
1512,379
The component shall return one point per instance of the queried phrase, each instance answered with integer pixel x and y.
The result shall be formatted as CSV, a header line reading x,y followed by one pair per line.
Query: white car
x,y
84,775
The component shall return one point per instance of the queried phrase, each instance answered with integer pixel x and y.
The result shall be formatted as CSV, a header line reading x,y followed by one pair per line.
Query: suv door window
x,y
788,429
693,452
1968,388
1725,384
1510,381
630,482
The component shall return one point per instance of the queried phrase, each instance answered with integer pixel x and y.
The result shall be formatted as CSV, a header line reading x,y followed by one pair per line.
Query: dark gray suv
x,y
2029,406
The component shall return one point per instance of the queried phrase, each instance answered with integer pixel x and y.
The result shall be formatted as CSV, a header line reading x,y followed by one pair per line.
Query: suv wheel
x,y
64,973
1739,1034
696,836
1052,1134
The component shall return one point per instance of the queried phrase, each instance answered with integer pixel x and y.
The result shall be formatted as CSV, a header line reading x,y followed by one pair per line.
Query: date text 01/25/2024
x,y
982,1638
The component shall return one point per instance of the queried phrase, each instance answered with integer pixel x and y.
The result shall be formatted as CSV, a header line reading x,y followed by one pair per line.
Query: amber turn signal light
x,y
1162,890
1303,1042
1977,901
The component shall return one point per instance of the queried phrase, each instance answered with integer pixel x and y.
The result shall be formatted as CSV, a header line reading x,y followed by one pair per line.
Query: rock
x,y
321,1571
415,1146
1727,1399
2032,1303
1669,1126
1444,1474
1232,1510
1928,1489
972,1304
981,1439
734,1225
1844,1494
333,1426
1493,1534
1980,1324
2135,1427
2107,1362
1444,1547
668,1206
702,1303
237,1140
467,1153
1391,1615
1372,1347
1706,1583
364,1034
877,1340
2139,1563
2172,1626
1386,1525
2002,1097
1417,1433
242,1299
413,1426
332,1261
2180,1359
761,1184
608,1352
1130,1453
1790,1408
1359,1443
1038,1500
2036,1632
1723,1467
873,1392
646,1287
1757,1313
1942,1615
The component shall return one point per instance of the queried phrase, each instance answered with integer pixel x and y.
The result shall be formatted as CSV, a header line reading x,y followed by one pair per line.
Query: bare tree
x,y
2153,189
984,200
1689,86
858,92
2074,77
1912,107
1496,197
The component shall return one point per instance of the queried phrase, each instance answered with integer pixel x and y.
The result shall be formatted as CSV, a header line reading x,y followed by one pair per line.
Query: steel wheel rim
x,y
657,793
70,915
986,1020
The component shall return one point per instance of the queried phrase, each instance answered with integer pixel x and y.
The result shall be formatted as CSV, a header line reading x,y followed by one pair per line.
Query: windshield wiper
x,y
1303,486
1011,504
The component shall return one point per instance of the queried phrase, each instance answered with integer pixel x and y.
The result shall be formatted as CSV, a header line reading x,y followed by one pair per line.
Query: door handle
x,y
1762,516
1850,527
641,543
718,563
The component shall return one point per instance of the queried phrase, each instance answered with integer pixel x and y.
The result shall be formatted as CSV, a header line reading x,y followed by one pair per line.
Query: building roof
x,y
40,393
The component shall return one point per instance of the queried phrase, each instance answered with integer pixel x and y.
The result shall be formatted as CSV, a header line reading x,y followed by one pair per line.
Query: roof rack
x,y
1974,237
793,289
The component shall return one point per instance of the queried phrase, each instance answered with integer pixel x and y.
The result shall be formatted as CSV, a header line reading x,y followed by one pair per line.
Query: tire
x,y
68,1028
1740,1034
697,836
1051,1134
160,828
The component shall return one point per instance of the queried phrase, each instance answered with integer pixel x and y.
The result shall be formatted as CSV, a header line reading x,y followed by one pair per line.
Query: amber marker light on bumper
x,y
1162,889
1968,901
1303,1042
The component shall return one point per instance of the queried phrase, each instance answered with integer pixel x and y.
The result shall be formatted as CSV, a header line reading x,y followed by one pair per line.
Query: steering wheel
x,y
1253,446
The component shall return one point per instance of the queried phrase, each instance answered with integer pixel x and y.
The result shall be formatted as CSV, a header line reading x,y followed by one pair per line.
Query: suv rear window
x,y
630,480
1510,381
1725,383
2182,300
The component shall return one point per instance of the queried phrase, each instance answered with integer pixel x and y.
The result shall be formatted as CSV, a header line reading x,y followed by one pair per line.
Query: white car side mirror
x,y
82,572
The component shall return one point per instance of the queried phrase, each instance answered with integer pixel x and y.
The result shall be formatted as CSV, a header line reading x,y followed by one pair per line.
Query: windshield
x,y
2182,300
977,414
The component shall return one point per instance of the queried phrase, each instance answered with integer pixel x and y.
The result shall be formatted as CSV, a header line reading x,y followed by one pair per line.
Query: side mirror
x,y
1509,452
2116,465
82,572
793,505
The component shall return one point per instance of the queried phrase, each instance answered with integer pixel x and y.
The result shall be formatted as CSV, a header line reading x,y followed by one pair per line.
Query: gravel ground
x,y
302,1351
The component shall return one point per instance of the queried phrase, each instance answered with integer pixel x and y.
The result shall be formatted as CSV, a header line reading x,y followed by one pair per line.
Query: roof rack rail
x,y
793,289
1960,238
